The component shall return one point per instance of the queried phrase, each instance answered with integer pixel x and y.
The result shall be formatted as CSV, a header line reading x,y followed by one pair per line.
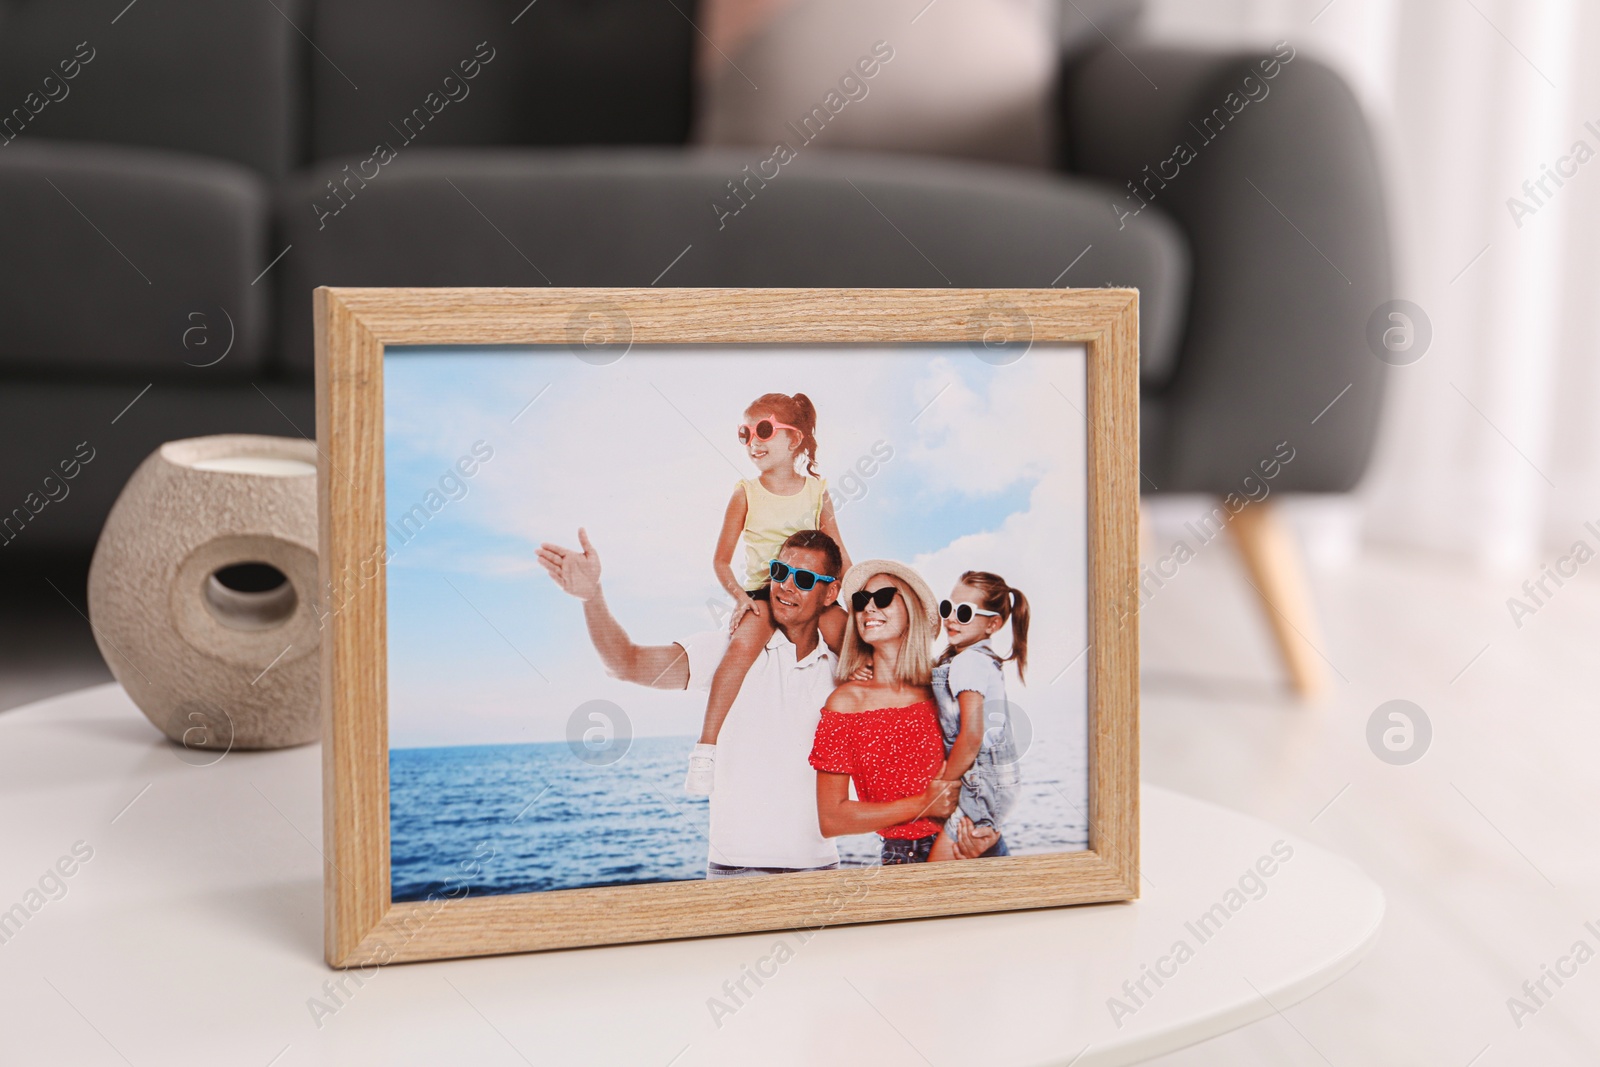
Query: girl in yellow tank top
x,y
778,433
769,520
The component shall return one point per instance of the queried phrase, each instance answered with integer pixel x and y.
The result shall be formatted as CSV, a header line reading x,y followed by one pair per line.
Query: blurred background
x,y
1377,251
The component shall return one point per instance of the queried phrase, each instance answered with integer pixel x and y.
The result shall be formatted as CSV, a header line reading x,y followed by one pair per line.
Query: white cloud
x,y
986,434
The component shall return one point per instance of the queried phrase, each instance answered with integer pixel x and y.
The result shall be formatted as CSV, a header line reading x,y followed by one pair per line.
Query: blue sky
x,y
987,471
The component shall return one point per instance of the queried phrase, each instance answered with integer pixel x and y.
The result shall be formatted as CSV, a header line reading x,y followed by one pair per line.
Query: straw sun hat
x,y
857,576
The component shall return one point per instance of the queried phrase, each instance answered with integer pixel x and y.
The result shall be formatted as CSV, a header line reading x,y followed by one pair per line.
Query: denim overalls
x,y
989,788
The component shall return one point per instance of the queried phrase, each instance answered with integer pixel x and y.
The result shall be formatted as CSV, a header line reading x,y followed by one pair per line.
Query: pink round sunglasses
x,y
763,430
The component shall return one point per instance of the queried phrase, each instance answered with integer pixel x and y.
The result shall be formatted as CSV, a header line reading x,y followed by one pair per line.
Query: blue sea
x,y
491,819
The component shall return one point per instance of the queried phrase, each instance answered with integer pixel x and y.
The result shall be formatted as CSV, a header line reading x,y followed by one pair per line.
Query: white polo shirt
x,y
764,801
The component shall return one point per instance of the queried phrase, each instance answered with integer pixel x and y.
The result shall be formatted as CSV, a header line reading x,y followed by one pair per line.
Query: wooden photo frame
x,y
365,925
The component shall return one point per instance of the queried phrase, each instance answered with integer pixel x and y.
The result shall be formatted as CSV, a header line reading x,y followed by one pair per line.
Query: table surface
x,y
193,934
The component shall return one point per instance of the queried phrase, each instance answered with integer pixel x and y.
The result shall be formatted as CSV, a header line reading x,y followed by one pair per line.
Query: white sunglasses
x,y
963,611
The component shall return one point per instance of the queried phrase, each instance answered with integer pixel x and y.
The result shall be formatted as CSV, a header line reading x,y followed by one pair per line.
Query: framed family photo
x,y
652,614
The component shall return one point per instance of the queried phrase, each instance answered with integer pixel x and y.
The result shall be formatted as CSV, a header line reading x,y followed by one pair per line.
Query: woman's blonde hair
x,y
915,663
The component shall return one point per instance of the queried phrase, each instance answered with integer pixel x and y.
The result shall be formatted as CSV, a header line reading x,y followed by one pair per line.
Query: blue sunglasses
x,y
804,580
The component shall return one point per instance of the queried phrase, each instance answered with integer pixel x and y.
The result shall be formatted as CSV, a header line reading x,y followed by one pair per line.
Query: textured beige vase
x,y
189,621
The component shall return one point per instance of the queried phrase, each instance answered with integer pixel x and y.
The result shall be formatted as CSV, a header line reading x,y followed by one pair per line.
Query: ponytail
x,y
1019,632
1012,606
806,419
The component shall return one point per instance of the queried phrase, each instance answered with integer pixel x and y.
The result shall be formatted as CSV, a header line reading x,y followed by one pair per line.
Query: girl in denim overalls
x,y
973,713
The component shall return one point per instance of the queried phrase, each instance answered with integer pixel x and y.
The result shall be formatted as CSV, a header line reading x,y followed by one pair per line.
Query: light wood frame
x,y
364,927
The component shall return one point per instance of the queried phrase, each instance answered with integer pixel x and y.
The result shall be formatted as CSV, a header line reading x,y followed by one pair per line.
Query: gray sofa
x,y
180,174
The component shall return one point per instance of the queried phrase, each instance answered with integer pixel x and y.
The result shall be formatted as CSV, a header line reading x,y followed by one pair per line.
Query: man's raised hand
x,y
577,573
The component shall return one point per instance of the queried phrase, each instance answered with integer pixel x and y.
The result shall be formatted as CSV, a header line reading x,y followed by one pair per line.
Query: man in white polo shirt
x,y
764,802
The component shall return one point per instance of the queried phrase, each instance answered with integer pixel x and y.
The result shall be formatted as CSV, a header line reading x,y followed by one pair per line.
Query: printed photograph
x,y
707,612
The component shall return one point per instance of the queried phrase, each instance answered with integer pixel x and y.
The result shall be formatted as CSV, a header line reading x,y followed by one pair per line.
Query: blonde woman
x,y
883,733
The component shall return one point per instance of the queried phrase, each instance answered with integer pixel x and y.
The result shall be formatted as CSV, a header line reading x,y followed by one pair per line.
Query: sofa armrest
x,y
1267,164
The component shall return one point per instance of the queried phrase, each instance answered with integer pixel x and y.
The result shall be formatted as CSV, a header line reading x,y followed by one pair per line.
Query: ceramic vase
x,y
203,592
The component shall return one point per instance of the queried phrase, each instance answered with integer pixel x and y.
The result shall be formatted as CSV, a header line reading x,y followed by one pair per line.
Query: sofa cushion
x,y
218,79
642,217
480,72
130,261
973,80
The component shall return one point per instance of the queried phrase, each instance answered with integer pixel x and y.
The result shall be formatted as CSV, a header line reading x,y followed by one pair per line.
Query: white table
x,y
193,935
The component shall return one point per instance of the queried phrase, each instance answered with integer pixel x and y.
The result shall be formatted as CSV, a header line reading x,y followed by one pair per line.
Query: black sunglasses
x,y
880,598
803,579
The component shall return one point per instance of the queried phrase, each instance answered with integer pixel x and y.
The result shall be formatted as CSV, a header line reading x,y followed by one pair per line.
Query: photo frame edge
x,y
353,326
349,381
1113,448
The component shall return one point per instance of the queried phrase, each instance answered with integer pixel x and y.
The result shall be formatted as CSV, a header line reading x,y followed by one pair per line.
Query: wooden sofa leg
x,y
1274,565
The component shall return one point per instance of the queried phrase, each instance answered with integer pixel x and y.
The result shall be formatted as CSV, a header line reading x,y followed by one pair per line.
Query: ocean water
x,y
490,819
